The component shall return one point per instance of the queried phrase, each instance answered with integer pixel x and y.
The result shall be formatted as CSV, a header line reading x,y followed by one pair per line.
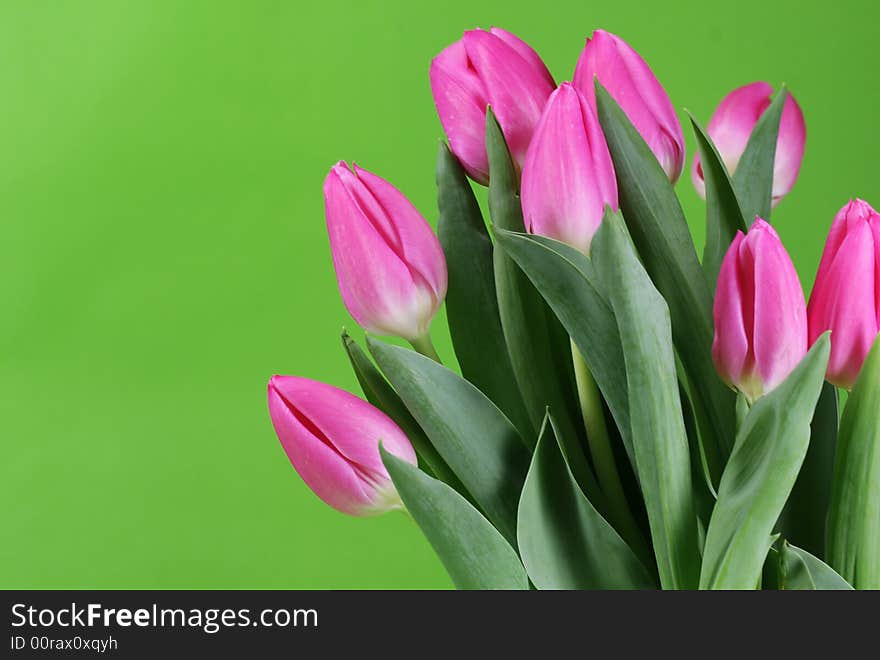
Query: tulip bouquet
x,y
623,414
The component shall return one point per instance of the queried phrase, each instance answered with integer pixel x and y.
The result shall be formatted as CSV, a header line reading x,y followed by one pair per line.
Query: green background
x,y
163,249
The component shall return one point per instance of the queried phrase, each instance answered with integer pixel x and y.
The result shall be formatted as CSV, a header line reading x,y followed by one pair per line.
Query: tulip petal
x,y
730,348
631,83
525,51
568,177
515,90
376,286
789,149
780,311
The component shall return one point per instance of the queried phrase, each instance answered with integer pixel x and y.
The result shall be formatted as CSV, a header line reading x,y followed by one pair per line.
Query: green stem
x,y
425,346
603,456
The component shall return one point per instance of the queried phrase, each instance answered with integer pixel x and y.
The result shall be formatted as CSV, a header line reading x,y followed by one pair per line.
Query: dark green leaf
x,y
473,552
799,570
471,305
724,217
527,321
565,543
753,179
854,514
807,508
472,435
567,280
760,474
378,392
661,235
659,437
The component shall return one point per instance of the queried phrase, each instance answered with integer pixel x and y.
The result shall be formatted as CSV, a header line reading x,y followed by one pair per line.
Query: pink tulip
x,y
568,177
846,295
332,439
633,85
760,313
389,264
493,68
732,124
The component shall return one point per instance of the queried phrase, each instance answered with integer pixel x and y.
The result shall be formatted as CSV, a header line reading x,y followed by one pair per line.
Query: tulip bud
x,y
633,85
332,439
389,264
846,295
485,68
760,313
568,177
732,124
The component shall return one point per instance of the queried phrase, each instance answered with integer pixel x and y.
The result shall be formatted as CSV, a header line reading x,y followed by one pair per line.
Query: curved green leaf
x,y
760,474
658,432
471,305
753,178
724,217
567,280
471,434
799,570
854,515
661,235
378,392
473,552
564,542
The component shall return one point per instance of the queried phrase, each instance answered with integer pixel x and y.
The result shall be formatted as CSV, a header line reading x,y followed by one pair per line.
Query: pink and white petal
x,y
730,348
525,51
789,148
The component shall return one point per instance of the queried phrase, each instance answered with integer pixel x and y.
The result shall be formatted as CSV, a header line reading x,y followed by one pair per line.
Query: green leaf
x,y
724,217
564,542
472,435
854,514
532,342
378,392
567,280
658,432
807,508
760,474
799,570
661,235
471,305
473,552
753,178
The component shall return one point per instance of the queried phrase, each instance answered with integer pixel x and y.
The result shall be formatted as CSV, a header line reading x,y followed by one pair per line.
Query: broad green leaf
x,y
760,474
724,217
807,508
658,433
564,542
469,431
528,322
854,514
378,392
799,570
753,178
662,238
471,305
473,552
567,280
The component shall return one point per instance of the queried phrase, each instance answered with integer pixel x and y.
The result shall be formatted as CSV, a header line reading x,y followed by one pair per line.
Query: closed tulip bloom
x,y
485,68
732,124
568,177
846,295
760,313
389,264
332,439
631,83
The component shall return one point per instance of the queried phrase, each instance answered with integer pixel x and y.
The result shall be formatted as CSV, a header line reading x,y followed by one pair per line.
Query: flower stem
x,y
603,457
425,346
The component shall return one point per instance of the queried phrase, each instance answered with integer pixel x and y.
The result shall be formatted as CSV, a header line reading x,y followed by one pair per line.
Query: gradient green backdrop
x,y
163,251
